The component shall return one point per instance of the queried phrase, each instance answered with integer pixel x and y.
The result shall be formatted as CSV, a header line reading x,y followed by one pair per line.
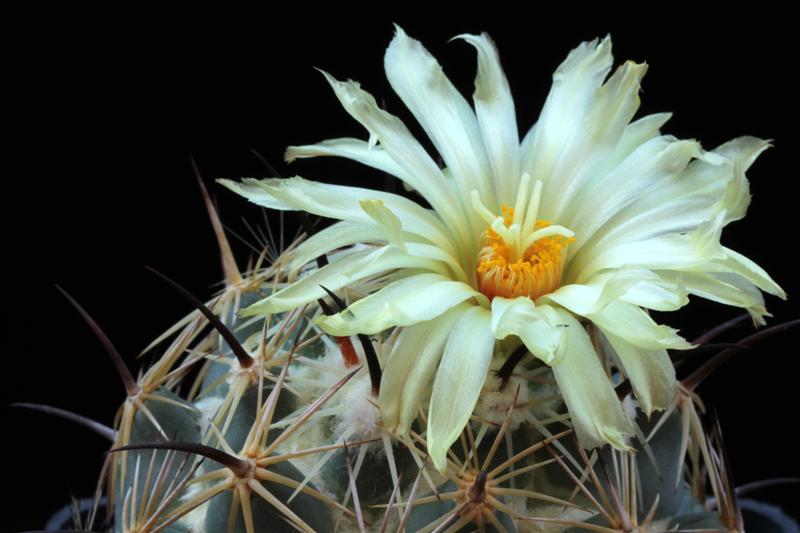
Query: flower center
x,y
520,255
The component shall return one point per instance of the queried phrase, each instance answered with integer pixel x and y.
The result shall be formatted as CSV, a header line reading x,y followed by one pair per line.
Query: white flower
x,y
590,218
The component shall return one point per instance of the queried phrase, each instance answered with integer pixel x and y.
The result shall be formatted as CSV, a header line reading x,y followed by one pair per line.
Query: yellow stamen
x,y
520,255
504,271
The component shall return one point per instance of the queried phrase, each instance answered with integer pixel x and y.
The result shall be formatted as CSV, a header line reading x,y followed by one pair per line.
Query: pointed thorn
x,y
477,493
338,301
505,371
229,267
373,363
245,361
678,356
104,431
623,389
326,309
699,375
131,388
239,467
353,489
263,161
766,483
716,331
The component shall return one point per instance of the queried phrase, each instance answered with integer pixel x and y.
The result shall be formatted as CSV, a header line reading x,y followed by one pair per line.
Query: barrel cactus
x,y
484,360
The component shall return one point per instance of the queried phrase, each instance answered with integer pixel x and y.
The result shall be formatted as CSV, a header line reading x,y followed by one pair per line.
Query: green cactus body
x,y
373,483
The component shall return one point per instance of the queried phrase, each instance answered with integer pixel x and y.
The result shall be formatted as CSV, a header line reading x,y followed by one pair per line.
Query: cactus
x,y
270,421
278,430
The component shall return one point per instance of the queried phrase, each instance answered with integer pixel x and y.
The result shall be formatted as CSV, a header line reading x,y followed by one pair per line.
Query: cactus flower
x,y
590,218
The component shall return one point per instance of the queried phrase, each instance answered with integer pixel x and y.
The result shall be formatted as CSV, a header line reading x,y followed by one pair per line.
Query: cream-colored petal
x,y
335,236
658,294
638,286
581,125
673,251
634,325
350,148
386,219
595,206
636,133
400,303
612,109
443,113
594,409
680,201
429,251
406,151
651,373
409,371
338,274
641,287
459,380
740,153
575,83
728,289
342,203
736,263
494,107
537,326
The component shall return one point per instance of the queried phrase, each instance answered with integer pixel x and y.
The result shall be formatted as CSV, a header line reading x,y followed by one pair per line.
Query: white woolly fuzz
x,y
208,406
630,407
360,416
494,401
195,520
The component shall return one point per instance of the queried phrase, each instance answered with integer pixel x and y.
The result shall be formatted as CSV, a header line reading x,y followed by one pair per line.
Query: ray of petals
x,y
713,182
443,113
651,373
350,148
406,151
403,302
336,236
458,381
494,107
728,289
575,83
411,367
633,324
341,203
653,162
536,326
691,250
595,411
636,133
638,286
338,274
385,218
611,110
433,253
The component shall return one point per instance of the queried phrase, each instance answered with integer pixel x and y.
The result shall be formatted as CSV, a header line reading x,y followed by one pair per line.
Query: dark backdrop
x,y
106,115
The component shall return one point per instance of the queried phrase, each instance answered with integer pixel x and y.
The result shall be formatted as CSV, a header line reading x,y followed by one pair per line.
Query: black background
x,y
104,117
